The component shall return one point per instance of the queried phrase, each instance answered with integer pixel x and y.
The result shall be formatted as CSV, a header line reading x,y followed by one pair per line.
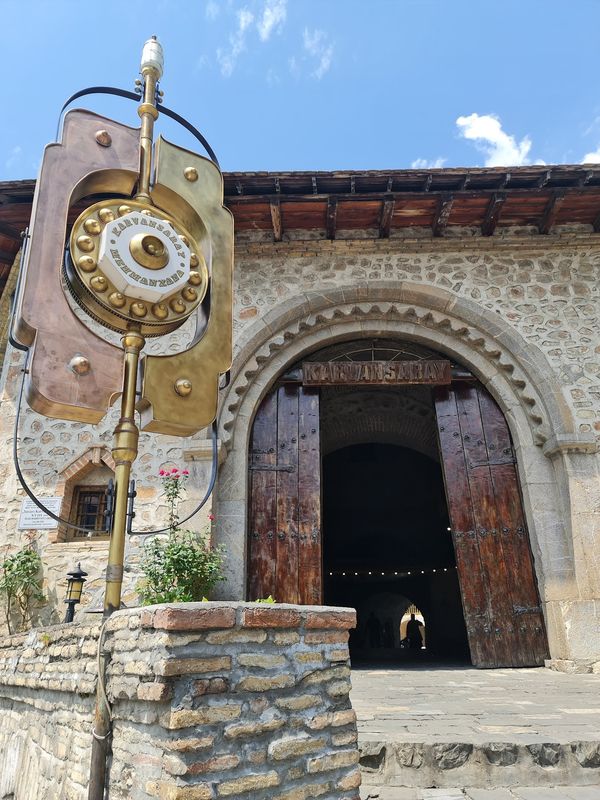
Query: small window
x,y
89,505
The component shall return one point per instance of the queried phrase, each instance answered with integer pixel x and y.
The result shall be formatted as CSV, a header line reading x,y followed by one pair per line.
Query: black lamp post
x,y
75,581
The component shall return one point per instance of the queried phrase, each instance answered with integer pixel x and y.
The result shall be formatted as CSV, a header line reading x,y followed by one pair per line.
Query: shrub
x,y
179,567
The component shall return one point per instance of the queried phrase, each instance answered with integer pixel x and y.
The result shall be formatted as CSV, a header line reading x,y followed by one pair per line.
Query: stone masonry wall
x,y
210,701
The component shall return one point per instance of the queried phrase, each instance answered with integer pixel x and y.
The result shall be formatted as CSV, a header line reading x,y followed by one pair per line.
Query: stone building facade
x,y
503,282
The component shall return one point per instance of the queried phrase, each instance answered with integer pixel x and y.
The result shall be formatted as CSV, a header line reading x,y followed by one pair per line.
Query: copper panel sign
x,y
357,373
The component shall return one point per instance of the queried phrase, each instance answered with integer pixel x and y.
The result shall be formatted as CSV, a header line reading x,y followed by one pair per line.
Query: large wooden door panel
x,y
285,498
499,593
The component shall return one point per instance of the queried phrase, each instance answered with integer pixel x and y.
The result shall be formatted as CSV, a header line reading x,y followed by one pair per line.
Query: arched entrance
x,y
485,560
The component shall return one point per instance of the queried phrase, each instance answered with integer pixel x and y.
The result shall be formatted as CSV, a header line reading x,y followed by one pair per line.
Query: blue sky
x,y
320,85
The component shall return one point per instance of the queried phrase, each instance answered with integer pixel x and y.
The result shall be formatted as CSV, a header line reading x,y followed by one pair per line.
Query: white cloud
x,y
237,43
318,46
423,163
272,19
211,10
501,149
14,157
592,158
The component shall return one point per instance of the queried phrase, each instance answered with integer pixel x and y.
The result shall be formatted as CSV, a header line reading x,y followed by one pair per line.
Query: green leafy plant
x,y
270,599
179,567
20,586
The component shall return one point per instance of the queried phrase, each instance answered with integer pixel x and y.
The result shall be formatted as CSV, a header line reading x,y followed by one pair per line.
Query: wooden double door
x,y
500,600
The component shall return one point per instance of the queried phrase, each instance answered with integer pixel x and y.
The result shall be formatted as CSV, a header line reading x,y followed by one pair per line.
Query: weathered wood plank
x,y
309,499
442,214
263,502
492,215
275,206
385,220
286,590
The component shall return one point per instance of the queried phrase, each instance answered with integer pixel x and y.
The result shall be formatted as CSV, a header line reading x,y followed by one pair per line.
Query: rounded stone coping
x,y
222,614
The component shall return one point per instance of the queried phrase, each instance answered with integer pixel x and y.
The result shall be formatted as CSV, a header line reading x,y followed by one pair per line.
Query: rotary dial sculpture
x,y
130,262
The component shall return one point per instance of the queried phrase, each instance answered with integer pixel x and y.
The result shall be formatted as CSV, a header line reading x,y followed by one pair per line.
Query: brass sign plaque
x,y
356,373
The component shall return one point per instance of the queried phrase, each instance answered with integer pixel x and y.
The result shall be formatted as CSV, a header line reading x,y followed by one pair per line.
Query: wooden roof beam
x,y
551,211
492,215
442,214
331,217
276,219
385,218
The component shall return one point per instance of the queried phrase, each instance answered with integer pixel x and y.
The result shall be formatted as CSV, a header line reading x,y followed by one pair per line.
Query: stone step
x,y
421,765
498,793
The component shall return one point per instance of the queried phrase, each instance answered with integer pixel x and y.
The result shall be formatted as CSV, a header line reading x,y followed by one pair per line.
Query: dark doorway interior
x,y
387,547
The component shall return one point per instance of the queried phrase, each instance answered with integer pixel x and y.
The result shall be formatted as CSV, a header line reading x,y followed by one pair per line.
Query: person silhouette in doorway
x,y
373,630
413,633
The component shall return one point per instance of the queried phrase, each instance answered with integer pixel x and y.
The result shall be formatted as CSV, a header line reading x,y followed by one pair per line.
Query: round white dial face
x,y
144,257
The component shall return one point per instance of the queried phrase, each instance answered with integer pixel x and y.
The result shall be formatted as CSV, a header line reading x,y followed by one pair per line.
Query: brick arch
x,y
72,474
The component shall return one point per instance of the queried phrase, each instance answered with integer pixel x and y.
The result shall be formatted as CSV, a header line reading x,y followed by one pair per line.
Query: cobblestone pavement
x,y
514,793
416,704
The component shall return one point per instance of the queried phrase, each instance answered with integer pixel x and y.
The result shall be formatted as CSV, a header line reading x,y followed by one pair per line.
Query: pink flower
x,y
161,472
211,517
185,472
174,471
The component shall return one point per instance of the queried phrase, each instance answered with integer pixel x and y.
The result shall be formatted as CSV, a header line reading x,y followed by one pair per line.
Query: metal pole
x,y
124,452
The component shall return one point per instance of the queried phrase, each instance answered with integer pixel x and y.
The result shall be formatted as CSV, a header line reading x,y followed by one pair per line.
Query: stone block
x,y
299,702
210,686
545,754
255,684
326,637
215,764
293,746
248,783
189,617
304,792
451,756
170,791
256,728
263,660
330,619
154,692
501,754
349,781
204,716
329,761
192,666
267,616
587,753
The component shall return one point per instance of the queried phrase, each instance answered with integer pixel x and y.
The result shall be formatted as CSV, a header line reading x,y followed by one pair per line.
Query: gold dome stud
x,y
103,138
86,263
189,294
160,311
106,215
183,387
190,174
146,212
138,309
80,365
195,278
124,209
194,260
99,283
85,243
149,251
177,305
116,299
184,239
92,226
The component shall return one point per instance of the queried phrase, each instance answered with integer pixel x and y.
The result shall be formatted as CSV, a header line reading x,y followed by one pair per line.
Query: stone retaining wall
x,y
210,701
